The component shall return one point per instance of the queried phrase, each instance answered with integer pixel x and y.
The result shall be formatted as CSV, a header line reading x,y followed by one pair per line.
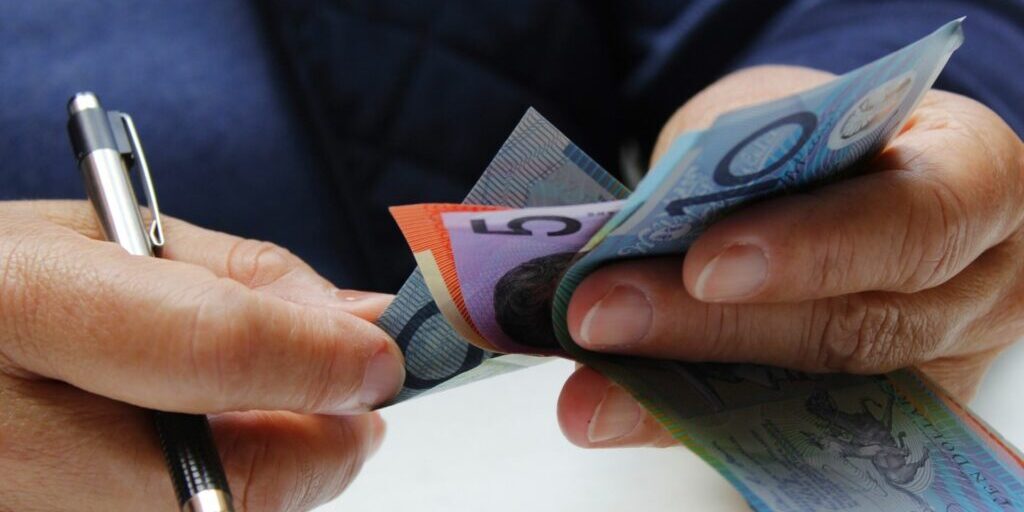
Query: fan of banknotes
x,y
495,275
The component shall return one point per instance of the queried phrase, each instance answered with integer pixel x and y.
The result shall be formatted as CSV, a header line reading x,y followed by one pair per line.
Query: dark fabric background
x,y
300,121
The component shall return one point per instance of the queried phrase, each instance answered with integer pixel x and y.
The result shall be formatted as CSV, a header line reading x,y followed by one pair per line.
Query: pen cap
x,y
91,128
82,101
105,166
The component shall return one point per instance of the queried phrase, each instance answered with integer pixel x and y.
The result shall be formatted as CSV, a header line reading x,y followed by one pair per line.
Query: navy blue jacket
x,y
300,121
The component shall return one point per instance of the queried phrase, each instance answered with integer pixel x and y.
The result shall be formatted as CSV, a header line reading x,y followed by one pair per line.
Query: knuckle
x,y
280,474
13,273
835,262
77,215
322,374
255,354
309,486
934,239
13,314
260,493
327,382
354,443
862,334
220,342
27,268
336,372
721,330
256,263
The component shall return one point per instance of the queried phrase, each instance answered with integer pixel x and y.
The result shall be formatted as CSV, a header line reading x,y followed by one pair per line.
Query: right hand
x,y
222,324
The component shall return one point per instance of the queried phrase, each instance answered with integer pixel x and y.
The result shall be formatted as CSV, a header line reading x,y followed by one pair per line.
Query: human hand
x,y
88,332
915,262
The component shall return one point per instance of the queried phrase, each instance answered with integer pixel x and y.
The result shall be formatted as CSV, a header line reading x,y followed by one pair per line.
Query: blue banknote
x,y
764,150
745,156
787,440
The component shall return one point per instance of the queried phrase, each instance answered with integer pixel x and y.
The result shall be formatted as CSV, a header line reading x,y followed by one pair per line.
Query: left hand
x,y
916,262
285,363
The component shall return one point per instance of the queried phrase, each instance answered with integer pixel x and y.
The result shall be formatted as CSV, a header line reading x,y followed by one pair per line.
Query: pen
x,y
106,147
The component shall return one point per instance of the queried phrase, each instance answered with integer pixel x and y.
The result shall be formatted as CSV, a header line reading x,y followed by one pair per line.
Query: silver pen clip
x,y
156,227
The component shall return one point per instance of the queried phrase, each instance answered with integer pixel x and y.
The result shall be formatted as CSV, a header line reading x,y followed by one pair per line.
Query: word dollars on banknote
x,y
496,273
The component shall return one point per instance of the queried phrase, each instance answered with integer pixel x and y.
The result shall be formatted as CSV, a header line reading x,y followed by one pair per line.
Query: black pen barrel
x,y
192,459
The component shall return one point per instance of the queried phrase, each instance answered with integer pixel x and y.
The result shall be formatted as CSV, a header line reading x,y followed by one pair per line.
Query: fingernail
x,y
622,317
736,272
309,289
617,415
383,378
353,296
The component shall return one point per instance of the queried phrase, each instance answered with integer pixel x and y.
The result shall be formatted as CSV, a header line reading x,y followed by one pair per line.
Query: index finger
x,y
173,336
257,264
935,200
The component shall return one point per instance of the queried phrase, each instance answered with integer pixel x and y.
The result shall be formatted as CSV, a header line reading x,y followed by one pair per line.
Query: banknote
x,y
794,441
844,456
537,165
744,156
786,440
509,261
764,150
748,155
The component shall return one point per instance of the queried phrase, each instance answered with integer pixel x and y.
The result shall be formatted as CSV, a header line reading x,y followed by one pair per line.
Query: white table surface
x,y
495,446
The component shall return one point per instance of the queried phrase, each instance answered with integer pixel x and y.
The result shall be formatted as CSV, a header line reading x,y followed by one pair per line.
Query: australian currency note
x,y
787,440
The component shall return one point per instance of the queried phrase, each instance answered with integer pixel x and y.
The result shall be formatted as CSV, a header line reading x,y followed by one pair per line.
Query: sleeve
x,y
838,35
